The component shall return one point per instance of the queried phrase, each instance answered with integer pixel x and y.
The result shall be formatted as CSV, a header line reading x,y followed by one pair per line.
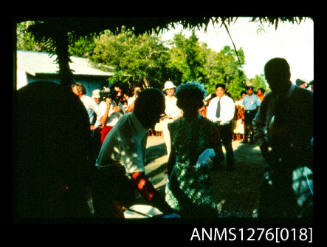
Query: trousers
x,y
226,132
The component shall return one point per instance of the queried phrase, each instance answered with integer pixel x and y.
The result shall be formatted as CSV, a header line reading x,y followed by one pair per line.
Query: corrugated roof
x,y
41,63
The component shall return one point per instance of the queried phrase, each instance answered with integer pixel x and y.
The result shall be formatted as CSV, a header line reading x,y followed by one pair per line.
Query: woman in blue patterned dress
x,y
189,190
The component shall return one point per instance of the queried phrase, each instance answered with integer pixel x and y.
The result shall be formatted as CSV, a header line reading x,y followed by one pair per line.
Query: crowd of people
x,y
71,147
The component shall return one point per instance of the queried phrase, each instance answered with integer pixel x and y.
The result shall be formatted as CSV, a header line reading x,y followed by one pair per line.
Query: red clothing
x,y
261,97
104,132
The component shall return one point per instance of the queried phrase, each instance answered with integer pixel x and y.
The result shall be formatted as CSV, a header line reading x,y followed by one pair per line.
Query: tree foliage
x,y
258,81
146,59
140,59
224,67
187,59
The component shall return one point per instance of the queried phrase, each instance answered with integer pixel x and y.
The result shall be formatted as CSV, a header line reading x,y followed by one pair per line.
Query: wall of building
x,y
90,83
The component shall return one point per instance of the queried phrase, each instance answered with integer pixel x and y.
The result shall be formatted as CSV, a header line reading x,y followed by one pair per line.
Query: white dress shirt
x,y
227,110
91,107
125,145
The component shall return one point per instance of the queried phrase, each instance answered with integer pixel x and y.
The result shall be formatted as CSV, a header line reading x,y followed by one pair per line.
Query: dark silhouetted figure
x,y
51,154
189,190
283,128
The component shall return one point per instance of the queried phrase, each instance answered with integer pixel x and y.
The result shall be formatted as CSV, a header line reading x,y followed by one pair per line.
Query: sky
x,y
294,42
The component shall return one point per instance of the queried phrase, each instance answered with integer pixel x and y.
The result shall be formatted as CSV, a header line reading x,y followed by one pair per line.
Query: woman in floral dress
x,y
189,190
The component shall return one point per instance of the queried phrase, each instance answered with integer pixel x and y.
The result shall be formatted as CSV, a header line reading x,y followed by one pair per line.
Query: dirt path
x,y
237,191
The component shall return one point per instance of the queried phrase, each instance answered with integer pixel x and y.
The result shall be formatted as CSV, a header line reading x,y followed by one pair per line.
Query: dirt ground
x,y
237,191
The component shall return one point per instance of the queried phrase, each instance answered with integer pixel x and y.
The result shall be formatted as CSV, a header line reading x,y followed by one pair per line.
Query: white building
x,y
35,66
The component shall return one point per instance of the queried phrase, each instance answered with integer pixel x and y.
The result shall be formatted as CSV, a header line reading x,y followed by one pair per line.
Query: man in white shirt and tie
x,y
221,111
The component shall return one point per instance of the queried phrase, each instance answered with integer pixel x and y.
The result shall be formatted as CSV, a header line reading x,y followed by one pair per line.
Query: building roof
x,y
36,63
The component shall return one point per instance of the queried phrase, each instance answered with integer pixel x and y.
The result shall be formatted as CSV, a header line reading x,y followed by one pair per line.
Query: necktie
x,y
218,109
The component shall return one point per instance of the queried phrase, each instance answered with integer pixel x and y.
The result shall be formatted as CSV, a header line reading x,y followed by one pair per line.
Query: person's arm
x,y
149,193
119,108
130,107
259,129
104,116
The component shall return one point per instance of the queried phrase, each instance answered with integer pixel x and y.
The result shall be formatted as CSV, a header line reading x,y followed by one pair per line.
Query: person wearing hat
x,y
172,112
92,109
96,96
300,83
96,130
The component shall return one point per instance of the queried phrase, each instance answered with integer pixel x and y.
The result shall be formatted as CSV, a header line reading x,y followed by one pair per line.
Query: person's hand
x,y
92,127
108,101
116,108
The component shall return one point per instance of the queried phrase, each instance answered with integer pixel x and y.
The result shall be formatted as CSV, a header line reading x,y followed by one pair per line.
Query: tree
x,y
187,59
25,40
82,46
138,59
258,81
56,29
224,67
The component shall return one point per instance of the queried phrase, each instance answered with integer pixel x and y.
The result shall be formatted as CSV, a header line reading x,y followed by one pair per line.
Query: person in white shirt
x,y
121,160
96,95
90,105
92,109
172,112
221,111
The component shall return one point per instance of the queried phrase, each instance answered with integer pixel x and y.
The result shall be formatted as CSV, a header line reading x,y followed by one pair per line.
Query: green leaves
x,y
146,59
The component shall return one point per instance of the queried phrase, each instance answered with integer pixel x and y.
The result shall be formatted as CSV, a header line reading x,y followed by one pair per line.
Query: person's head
x,y
278,75
78,89
149,105
220,90
190,97
300,83
96,95
261,91
116,91
249,90
169,88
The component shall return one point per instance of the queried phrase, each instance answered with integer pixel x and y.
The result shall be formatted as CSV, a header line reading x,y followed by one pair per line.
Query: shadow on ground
x,y
238,191
155,152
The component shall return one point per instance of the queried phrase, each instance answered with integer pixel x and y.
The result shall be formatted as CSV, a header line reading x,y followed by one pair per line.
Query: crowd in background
x,y
100,119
